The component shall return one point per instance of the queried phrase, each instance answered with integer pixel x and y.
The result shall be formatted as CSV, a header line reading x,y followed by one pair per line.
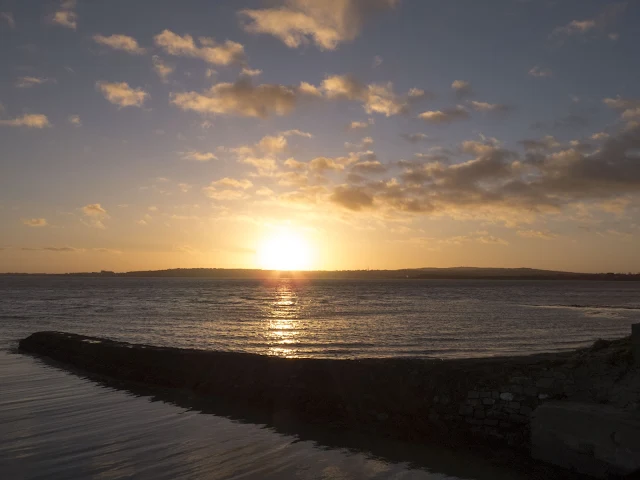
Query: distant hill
x,y
469,273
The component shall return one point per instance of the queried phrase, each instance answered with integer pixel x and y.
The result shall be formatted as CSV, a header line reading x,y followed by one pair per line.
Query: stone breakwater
x,y
452,401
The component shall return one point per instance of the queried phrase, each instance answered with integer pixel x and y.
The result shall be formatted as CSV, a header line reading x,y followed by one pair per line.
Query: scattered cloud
x,y
8,18
547,142
65,16
537,71
35,222
542,235
590,25
299,133
198,156
94,210
162,69
376,98
377,61
33,120
233,183
462,88
448,115
28,82
351,198
120,42
326,24
368,167
122,94
241,99
95,215
599,136
357,125
184,187
75,120
629,108
490,107
251,72
226,53
415,137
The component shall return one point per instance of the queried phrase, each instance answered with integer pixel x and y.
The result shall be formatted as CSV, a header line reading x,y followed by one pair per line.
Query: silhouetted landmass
x,y
456,273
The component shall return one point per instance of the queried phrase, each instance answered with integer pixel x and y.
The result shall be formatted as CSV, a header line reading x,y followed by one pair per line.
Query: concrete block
x,y
595,440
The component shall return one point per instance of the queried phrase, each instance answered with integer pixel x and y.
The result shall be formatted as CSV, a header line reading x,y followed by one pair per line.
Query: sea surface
x,y
57,425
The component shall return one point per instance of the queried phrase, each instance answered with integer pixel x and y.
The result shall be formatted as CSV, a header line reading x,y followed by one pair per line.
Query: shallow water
x,y
56,425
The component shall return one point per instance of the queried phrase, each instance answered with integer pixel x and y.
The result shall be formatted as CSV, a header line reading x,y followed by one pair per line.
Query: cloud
x,y
415,137
368,167
227,53
94,210
162,69
462,88
215,194
327,23
33,120
547,142
490,107
575,27
28,82
377,61
241,99
110,251
251,72
324,164
351,198
122,94
536,234
233,183
537,71
502,185
599,136
120,42
376,98
628,108
96,214
198,156
75,120
356,125
66,16
35,222
262,155
61,249
184,187
599,23
299,133
365,144
8,17
448,115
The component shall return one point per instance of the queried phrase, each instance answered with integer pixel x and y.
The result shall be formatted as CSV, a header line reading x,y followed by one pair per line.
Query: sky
x,y
350,134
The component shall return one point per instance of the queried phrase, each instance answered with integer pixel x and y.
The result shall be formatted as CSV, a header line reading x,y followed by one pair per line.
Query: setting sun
x,y
285,250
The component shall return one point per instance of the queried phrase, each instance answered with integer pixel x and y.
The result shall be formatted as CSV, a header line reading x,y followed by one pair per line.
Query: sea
x,y
55,424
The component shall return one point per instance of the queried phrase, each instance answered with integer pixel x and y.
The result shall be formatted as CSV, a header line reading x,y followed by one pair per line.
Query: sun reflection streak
x,y
283,326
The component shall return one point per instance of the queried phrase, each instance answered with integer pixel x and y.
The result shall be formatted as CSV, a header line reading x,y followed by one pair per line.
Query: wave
x,y
589,307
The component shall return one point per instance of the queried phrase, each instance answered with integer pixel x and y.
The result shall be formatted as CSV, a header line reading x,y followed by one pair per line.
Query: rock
x,y
595,440
506,396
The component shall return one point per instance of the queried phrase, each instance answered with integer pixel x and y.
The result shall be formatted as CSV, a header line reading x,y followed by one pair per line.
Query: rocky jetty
x,y
452,402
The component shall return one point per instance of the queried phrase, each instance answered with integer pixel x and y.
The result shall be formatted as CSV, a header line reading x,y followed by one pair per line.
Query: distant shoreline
x,y
458,273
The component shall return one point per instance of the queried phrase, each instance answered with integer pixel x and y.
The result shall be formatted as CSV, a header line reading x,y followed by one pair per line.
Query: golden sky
x,y
333,134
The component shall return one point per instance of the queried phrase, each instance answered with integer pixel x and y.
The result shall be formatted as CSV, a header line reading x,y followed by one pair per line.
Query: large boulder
x,y
592,439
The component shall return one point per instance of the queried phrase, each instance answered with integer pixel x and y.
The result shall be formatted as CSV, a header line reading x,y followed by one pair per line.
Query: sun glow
x,y
285,250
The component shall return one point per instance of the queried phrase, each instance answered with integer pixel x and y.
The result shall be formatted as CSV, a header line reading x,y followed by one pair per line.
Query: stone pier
x,y
635,342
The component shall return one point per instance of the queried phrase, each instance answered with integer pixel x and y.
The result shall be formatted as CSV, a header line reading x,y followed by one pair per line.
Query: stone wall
x,y
452,401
